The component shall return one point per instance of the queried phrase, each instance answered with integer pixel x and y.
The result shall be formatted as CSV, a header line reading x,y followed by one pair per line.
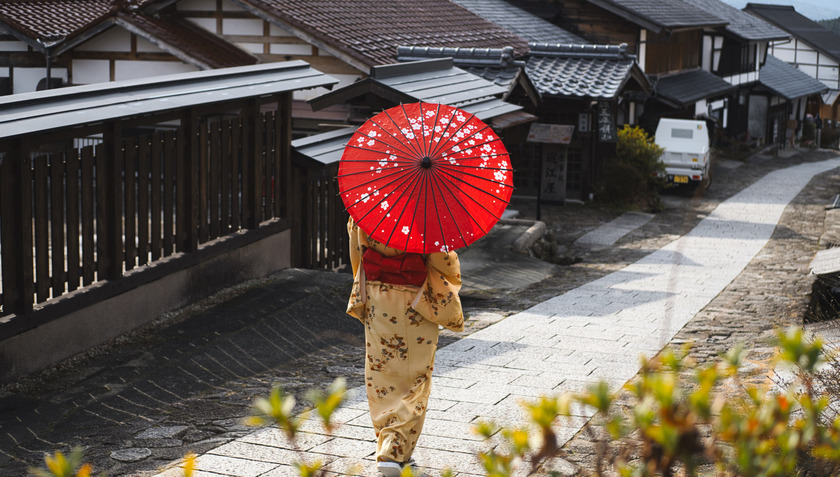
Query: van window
x,y
682,133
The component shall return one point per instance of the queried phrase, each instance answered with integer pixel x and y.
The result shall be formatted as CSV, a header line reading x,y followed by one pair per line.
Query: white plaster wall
x,y
275,30
208,24
145,46
242,26
13,46
806,55
811,70
26,79
255,48
114,39
787,55
125,70
91,71
287,49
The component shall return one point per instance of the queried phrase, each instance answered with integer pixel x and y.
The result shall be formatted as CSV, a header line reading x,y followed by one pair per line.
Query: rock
x,y
132,454
166,432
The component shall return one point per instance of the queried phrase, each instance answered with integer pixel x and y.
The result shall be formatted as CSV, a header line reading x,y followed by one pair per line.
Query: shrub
x,y
633,176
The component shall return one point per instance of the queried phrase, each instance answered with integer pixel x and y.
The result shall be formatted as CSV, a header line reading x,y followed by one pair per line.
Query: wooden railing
x,y
72,218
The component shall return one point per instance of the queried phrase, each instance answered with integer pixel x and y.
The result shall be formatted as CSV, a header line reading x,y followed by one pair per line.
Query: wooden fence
x,y
73,217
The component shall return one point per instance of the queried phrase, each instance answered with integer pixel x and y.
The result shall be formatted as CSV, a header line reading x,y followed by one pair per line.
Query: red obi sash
x,y
403,269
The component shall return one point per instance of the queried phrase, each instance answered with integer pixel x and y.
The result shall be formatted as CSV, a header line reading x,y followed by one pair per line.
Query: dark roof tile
x,y
741,23
666,14
688,87
52,21
519,21
788,81
187,41
579,71
803,28
369,31
493,64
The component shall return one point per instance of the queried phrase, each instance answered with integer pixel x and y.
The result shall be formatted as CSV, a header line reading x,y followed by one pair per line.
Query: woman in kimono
x,y
401,298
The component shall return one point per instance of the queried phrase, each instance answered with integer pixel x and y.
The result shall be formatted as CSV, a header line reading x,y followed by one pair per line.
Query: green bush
x,y
632,177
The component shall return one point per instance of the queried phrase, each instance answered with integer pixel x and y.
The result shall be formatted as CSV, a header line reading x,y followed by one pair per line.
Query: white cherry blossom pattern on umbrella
x,y
425,177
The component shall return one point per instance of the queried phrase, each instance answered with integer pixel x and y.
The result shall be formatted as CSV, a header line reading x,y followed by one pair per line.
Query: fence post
x,y
250,154
109,242
190,157
16,232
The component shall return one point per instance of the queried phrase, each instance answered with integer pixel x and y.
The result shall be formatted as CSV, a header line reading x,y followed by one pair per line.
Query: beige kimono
x,y
401,334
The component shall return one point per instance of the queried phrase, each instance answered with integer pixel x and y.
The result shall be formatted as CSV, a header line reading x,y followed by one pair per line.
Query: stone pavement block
x,y
457,430
567,356
283,471
257,452
440,401
343,429
274,437
450,443
232,466
481,395
473,414
488,374
344,447
351,466
439,460
547,382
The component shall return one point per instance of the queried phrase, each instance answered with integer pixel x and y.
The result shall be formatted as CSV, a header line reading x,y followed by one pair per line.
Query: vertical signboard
x,y
606,123
553,181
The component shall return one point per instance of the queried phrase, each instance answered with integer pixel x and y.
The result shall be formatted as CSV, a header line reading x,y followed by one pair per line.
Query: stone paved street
x,y
593,332
186,383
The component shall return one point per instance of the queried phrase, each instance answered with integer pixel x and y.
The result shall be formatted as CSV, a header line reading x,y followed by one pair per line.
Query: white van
x,y
686,157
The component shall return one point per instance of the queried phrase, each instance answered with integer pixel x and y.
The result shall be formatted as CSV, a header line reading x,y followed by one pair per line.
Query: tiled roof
x,y
788,81
368,32
688,87
52,21
580,71
741,23
661,14
493,64
57,25
524,24
801,27
430,81
185,40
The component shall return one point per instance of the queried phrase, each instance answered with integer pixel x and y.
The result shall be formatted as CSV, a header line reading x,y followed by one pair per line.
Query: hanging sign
x,y
550,133
606,123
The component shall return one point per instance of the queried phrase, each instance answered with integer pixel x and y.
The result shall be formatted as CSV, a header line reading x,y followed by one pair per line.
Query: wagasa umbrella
x,y
425,177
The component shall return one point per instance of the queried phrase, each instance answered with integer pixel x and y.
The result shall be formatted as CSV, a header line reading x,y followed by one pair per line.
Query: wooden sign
x,y
606,123
553,180
550,133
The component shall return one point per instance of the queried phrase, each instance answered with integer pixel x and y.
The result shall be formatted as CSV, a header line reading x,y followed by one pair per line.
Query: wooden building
x,y
812,48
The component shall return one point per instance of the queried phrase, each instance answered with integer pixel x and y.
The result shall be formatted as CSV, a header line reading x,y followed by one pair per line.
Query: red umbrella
x,y
425,177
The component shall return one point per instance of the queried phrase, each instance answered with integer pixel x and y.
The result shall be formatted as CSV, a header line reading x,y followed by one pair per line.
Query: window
x,y
682,133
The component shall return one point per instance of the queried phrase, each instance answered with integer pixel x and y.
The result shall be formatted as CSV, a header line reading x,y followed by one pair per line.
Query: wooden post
x,y
109,236
250,156
189,163
16,232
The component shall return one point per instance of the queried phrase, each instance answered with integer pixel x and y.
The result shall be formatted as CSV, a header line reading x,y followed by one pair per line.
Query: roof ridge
x,y
572,50
501,57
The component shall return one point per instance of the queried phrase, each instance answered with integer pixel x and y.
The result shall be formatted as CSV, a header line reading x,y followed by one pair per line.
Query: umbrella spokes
x,y
425,177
